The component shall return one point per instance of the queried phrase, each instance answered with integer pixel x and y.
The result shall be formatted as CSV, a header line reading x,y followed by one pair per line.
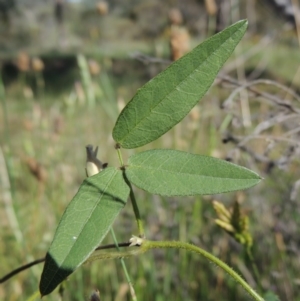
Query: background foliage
x,y
47,118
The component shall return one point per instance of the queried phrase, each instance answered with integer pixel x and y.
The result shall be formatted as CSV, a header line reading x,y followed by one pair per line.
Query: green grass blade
x,y
84,224
172,172
167,99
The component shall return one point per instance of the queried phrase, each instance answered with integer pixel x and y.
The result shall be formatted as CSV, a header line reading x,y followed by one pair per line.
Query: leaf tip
x,y
244,21
53,274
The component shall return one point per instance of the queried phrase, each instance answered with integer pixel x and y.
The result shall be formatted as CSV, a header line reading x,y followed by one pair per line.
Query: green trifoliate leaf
x,y
172,172
167,99
83,225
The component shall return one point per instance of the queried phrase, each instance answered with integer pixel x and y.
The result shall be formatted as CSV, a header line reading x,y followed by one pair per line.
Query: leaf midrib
x,y
184,173
104,190
167,95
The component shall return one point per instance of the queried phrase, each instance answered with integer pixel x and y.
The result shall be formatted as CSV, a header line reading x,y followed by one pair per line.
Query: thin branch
x,y
40,260
274,99
20,269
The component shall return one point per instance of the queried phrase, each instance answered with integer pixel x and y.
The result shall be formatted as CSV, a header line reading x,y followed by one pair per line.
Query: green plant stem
x,y
226,122
148,245
120,157
133,201
136,212
132,291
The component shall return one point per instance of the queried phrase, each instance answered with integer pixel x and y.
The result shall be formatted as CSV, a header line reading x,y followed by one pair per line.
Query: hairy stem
x,y
148,245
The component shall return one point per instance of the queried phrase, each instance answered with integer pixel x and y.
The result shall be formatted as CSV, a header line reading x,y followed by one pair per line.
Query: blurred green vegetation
x,y
46,121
